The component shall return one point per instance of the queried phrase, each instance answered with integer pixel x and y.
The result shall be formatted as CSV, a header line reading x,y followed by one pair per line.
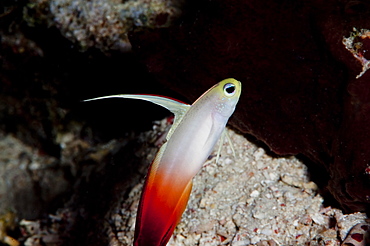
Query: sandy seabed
x,y
247,199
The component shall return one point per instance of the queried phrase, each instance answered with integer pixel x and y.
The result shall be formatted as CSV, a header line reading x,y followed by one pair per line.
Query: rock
x,y
101,24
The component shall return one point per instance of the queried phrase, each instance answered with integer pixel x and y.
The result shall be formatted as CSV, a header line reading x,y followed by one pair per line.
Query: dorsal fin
x,y
178,108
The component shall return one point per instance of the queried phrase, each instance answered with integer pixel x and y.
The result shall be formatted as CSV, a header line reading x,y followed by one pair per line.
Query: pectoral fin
x,y
221,142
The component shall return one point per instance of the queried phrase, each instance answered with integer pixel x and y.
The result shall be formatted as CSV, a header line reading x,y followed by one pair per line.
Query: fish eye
x,y
229,89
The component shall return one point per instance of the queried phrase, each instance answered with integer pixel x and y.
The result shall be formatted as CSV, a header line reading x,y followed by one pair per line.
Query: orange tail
x,y
161,206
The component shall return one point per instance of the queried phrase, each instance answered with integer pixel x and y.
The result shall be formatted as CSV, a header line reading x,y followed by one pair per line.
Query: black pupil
x,y
230,89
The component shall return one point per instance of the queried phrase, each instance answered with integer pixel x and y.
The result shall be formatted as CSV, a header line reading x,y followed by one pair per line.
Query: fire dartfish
x,y
189,142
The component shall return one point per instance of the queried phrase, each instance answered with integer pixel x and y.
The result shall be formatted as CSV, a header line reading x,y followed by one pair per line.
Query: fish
x,y
189,142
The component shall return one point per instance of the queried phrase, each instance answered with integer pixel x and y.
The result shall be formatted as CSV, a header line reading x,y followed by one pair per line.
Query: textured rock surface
x,y
102,24
28,179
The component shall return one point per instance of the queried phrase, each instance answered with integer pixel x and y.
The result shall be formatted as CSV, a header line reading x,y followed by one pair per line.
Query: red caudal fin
x,y
178,212
160,209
